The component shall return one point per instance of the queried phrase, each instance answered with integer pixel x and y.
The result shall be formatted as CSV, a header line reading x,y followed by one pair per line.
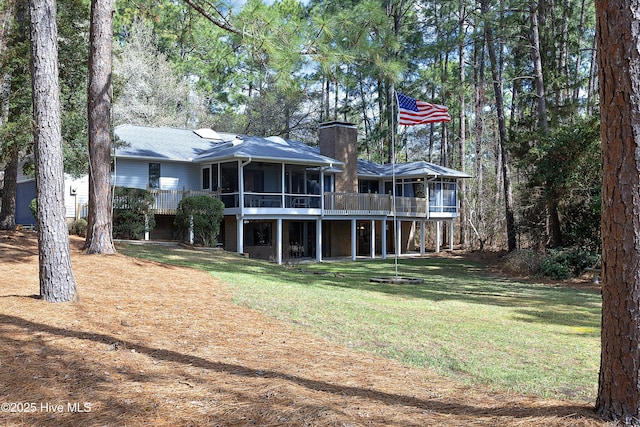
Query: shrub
x,y
33,207
523,262
206,212
80,227
560,264
580,259
555,266
130,208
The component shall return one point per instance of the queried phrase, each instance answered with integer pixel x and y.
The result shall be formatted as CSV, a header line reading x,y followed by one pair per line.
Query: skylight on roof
x,y
208,133
278,140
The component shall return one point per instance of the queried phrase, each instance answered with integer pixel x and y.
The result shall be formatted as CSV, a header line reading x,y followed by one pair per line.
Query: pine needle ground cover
x,y
159,344
518,336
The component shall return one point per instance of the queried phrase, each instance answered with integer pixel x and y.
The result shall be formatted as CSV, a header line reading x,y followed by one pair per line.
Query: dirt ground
x,y
155,345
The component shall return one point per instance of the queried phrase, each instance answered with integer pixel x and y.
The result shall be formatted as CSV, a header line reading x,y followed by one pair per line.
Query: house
x,y
76,196
282,198
286,199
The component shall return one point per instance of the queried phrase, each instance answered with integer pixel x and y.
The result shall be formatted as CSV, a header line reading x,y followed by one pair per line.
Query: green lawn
x,y
463,322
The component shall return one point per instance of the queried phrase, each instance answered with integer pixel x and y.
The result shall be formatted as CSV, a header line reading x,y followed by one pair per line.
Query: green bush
x,y
130,208
561,264
33,207
207,213
80,227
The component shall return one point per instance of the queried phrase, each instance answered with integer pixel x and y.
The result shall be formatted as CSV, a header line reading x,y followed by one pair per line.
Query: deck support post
x,y
240,235
372,239
398,236
451,235
354,241
422,236
318,240
438,235
383,235
279,241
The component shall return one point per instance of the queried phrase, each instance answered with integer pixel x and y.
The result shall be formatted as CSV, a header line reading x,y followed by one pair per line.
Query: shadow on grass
x,y
445,279
439,405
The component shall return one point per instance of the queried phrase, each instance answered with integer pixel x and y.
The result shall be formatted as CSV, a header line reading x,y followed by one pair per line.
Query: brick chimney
x,y
339,140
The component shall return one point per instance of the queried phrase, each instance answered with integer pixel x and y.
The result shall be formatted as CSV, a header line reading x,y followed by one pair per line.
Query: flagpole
x,y
393,179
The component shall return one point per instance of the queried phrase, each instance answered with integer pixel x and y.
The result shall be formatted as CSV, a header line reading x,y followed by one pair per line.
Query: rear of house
x,y
283,199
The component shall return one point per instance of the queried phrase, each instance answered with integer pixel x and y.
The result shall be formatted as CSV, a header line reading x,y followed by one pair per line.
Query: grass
x,y
463,322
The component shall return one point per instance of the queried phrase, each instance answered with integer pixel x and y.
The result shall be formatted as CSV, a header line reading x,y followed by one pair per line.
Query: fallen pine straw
x,y
157,345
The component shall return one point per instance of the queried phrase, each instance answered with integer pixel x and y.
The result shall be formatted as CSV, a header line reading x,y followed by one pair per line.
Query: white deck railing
x,y
166,203
373,204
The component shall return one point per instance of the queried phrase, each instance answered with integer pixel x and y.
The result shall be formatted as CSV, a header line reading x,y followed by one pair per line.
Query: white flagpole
x,y
396,238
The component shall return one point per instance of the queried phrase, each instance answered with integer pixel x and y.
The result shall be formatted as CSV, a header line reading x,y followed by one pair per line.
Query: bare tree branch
x,y
201,7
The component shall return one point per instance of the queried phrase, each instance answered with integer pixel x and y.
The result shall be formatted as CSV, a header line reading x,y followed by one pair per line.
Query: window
x,y
368,186
254,180
206,178
263,177
257,234
294,179
443,196
229,177
328,183
154,175
214,177
313,182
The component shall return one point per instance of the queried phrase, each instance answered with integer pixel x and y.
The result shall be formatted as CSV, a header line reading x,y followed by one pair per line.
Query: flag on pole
x,y
412,112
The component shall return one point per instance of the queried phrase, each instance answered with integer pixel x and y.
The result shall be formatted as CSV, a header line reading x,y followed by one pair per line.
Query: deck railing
x,y
166,203
373,204
167,200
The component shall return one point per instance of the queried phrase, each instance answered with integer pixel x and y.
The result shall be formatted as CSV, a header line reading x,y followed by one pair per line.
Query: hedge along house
x,y
286,199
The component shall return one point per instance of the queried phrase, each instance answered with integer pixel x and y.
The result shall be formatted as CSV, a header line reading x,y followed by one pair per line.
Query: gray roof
x,y
186,145
412,169
171,144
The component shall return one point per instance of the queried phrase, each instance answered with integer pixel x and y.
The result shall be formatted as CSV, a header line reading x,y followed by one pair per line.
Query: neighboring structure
x,y
76,193
286,199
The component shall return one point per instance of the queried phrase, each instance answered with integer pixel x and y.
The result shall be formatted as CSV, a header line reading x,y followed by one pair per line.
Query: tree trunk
x,y
618,32
9,187
9,191
554,231
553,217
478,83
99,228
57,283
463,127
502,137
537,67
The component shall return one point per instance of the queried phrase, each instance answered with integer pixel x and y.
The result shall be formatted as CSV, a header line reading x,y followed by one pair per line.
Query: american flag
x,y
412,112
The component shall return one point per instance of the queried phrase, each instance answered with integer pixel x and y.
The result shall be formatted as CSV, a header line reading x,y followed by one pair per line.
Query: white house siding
x,y
173,175
76,195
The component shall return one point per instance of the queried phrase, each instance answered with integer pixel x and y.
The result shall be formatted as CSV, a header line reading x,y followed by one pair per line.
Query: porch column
x,y
422,236
279,241
372,240
283,198
318,240
438,237
383,234
451,235
240,234
398,237
354,237
241,186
